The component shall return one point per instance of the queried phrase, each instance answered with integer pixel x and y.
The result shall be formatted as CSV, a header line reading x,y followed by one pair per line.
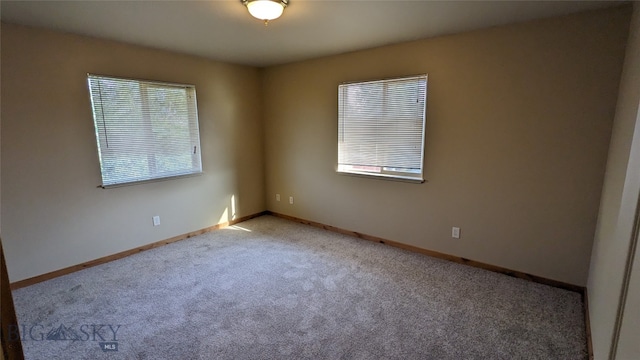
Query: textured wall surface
x,y
518,126
53,215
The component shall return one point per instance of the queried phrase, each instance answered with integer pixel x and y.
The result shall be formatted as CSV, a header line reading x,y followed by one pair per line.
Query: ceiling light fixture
x,y
265,9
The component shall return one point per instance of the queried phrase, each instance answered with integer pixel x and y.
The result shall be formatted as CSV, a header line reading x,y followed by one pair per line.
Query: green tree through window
x,y
144,130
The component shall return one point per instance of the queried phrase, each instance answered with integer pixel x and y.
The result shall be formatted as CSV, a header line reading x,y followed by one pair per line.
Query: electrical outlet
x,y
156,220
277,197
455,232
291,200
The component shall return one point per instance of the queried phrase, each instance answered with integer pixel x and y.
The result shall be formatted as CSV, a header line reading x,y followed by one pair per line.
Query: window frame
x,y
384,174
145,85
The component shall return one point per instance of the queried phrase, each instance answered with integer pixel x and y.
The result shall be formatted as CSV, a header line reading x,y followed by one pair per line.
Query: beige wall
x,y
617,208
517,133
53,215
518,127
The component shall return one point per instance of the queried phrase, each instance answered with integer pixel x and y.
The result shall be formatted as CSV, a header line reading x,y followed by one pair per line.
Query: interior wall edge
x,y
105,259
436,254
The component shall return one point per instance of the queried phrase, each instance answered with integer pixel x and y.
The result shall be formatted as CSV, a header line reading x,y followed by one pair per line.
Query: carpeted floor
x,y
269,288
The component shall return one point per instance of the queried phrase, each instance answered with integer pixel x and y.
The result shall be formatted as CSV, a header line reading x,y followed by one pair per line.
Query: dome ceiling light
x,y
265,10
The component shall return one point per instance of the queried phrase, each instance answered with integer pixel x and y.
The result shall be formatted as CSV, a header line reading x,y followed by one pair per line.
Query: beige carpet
x,y
274,289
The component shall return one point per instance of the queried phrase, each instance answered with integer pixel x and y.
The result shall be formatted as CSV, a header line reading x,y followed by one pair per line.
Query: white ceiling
x,y
224,30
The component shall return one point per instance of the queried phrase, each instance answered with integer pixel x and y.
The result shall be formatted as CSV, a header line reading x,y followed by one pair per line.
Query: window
x,y
144,130
381,127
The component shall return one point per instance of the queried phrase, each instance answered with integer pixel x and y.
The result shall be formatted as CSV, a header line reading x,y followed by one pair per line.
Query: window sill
x,y
150,180
382,177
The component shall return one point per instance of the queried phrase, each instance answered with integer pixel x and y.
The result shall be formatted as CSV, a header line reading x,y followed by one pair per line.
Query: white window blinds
x,y
144,130
381,127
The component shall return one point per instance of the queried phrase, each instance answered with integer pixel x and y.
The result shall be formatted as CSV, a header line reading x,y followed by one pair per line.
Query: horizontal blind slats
x,y
144,130
381,124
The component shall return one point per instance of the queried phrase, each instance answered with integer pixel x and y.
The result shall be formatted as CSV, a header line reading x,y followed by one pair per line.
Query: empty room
x,y
300,179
